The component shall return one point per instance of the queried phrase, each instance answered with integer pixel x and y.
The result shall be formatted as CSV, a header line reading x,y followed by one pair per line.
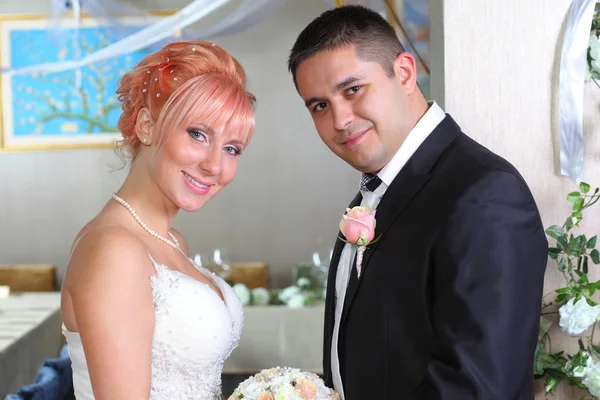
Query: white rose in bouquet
x,y
283,384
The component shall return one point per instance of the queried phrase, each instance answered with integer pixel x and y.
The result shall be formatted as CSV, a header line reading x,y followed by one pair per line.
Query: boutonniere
x,y
358,227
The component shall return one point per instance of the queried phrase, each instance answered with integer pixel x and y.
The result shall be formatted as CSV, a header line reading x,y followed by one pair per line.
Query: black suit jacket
x,y
448,303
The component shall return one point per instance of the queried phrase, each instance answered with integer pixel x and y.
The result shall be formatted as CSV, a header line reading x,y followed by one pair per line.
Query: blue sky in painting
x,y
51,104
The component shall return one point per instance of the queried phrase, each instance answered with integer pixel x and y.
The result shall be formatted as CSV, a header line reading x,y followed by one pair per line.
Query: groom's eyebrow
x,y
313,100
346,82
337,87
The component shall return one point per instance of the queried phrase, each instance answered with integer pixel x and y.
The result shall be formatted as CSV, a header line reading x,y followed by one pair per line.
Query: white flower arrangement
x,y
242,292
303,283
591,379
577,317
261,296
295,296
593,53
575,302
286,294
283,383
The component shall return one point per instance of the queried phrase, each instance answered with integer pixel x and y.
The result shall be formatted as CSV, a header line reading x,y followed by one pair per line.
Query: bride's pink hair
x,y
181,81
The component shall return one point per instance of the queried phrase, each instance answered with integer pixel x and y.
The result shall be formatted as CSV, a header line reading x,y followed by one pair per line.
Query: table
x,y
30,333
279,336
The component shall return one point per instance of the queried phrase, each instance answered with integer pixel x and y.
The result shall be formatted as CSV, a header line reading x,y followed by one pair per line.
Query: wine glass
x,y
221,264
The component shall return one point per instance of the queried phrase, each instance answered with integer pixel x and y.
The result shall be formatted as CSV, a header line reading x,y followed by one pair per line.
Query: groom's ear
x,y
144,126
405,71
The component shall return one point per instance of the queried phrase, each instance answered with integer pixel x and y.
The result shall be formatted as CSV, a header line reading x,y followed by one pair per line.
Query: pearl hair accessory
x,y
173,243
171,71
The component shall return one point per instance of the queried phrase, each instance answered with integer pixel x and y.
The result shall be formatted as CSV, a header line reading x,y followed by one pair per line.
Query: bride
x,y
140,318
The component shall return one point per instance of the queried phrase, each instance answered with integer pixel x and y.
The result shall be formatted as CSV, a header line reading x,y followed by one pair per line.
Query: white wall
x,y
284,204
500,73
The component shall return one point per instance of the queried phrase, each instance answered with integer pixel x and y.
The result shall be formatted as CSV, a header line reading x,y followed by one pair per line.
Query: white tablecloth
x,y
279,336
29,334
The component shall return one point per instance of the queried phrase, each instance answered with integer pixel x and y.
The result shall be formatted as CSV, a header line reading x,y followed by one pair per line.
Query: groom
x,y
448,301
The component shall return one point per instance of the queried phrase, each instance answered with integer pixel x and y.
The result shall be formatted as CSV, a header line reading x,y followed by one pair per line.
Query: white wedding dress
x,y
195,332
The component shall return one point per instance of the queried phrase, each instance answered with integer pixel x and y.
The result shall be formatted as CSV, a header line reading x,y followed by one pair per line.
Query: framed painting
x,y
68,109
412,18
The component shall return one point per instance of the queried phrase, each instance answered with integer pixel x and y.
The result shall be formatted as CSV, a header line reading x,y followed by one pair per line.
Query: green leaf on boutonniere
x,y
367,245
344,240
374,240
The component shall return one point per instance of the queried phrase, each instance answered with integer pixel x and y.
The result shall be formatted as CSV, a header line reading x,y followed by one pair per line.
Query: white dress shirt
x,y
417,135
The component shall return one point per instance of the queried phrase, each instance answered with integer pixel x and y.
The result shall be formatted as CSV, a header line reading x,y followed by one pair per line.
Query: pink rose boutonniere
x,y
358,227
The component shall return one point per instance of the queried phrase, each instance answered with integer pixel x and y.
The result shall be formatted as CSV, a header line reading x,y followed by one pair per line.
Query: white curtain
x,y
570,85
164,28
246,15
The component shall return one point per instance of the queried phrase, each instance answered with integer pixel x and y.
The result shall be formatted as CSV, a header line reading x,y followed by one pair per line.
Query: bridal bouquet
x,y
283,384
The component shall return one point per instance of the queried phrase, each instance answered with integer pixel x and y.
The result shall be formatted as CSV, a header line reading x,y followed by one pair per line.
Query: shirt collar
x,y
430,120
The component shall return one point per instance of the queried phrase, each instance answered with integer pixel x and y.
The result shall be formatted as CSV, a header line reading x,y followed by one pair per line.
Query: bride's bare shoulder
x,y
101,248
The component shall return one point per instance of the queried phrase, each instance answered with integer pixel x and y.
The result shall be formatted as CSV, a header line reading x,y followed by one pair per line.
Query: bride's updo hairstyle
x,y
181,81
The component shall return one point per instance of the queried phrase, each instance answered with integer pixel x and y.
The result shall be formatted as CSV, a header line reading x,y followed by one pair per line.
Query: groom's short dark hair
x,y
375,39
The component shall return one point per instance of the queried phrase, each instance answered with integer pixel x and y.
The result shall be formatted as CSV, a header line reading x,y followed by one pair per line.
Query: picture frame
x,y
411,18
72,109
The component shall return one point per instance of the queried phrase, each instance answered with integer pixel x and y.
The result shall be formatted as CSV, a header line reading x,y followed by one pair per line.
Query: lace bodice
x,y
195,332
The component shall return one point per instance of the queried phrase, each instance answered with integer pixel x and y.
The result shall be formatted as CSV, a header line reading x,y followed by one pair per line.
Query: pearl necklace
x,y
173,243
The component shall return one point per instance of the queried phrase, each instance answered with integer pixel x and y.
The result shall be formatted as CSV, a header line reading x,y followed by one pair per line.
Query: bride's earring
x,y
144,140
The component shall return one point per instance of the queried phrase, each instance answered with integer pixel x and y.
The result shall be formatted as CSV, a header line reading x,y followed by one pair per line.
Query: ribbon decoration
x,y
246,15
160,30
571,80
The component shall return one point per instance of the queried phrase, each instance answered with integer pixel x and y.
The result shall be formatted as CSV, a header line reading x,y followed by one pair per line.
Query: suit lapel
x,y
331,297
409,181
396,198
